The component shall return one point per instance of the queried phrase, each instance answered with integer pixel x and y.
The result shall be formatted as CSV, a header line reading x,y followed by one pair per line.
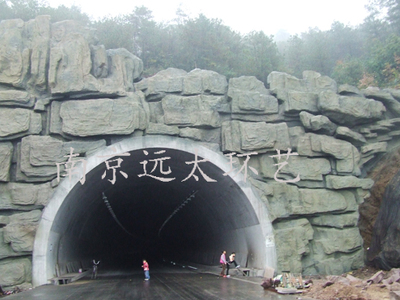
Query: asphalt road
x,y
165,283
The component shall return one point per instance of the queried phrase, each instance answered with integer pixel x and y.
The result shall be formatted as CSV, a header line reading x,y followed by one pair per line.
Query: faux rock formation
x,y
347,156
201,81
16,98
20,236
293,244
258,136
191,111
39,156
319,123
23,196
14,57
249,96
349,110
103,116
6,150
61,90
17,122
15,271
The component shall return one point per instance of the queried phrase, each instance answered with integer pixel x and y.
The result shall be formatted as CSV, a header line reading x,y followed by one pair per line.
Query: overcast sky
x,y
293,16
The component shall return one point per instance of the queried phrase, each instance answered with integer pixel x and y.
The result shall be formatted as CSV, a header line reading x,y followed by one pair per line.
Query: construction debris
x,y
345,286
378,276
287,283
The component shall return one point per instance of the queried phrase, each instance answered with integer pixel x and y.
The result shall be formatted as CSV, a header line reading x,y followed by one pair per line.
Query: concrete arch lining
x,y
49,235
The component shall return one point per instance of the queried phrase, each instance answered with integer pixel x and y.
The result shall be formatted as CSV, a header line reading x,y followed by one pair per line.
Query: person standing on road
x,y
94,269
222,261
146,270
231,260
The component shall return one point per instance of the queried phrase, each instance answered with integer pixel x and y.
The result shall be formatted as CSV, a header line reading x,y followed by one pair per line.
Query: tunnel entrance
x,y
161,200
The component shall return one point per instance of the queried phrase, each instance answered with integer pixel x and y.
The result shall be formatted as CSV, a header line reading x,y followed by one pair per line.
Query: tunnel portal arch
x,y
144,213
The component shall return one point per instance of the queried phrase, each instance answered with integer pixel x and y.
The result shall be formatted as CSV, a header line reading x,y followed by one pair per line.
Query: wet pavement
x,y
165,283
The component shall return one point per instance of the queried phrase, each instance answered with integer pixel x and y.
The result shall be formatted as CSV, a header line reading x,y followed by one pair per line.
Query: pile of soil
x,y
355,289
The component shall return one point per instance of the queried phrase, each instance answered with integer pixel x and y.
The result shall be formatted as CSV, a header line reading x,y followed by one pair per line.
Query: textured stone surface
x,y
298,101
200,81
336,221
346,155
288,200
347,89
16,98
249,96
124,68
39,155
338,240
317,82
293,244
26,217
103,116
165,81
374,148
38,42
24,52
349,110
20,236
300,94
6,151
83,147
30,194
307,168
15,271
204,135
258,136
385,97
17,122
338,265
24,196
351,136
70,62
320,124
157,128
13,56
344,182
99,61
5,248
190,111
282,81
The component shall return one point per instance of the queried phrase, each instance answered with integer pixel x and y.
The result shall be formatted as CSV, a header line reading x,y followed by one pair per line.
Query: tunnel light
x,y
176,210
108,205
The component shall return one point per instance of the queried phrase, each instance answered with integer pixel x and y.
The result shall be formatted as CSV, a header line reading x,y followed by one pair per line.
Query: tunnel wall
x,y
60,90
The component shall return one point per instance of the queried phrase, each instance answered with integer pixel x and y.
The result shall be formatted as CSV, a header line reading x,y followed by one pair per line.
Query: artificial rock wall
x,y
59,89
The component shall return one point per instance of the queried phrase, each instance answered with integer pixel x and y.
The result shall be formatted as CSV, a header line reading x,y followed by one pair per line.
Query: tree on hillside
x,y
114,32
350,71
207,44
29,9
63,12
21,9
294,56
260,55
384,61
386,10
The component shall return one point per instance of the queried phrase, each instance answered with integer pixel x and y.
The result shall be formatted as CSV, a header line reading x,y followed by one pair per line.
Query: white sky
x,y
294,16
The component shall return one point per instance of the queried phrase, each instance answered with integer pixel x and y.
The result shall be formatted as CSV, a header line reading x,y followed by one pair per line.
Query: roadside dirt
x,y
353,287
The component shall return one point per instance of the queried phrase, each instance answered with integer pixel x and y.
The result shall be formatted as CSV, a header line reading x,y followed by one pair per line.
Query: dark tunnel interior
x,y
142,216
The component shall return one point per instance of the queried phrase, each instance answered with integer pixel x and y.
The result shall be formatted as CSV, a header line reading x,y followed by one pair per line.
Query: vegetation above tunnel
x,y
364,55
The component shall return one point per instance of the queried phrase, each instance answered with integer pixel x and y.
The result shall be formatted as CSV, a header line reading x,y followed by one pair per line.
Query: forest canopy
x,y
364,55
